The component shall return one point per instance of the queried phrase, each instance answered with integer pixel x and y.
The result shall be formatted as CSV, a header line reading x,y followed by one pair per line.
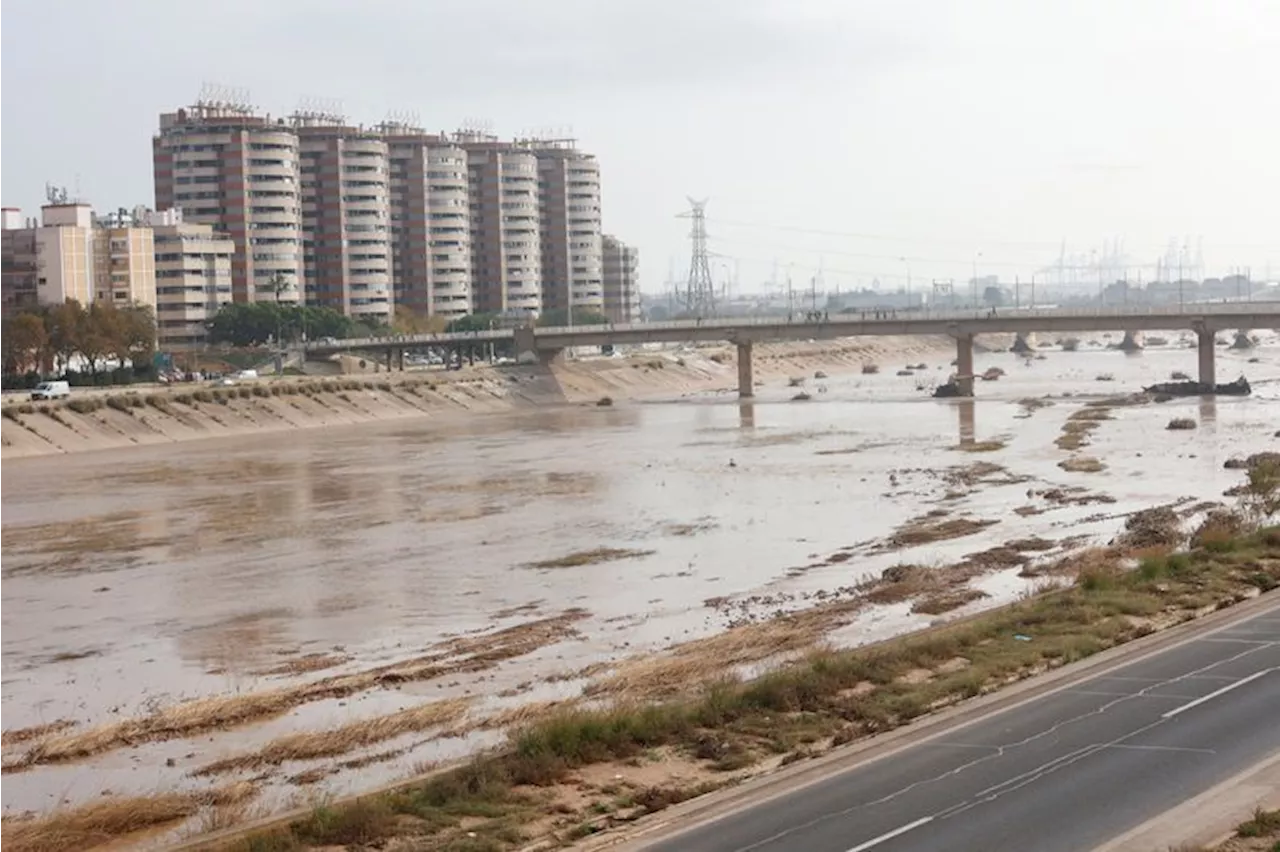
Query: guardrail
x,y
803,318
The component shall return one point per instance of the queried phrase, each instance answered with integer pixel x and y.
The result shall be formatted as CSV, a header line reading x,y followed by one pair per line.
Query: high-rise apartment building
x,y
621,281
569,202
225,166
506,241
124,259
192,275
363,220
346,217
430,222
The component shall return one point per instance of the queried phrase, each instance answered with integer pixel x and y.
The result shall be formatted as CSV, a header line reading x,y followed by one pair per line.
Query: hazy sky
x,y
957,134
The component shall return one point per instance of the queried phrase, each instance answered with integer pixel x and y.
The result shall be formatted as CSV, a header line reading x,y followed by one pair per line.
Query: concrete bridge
x,y
1206,320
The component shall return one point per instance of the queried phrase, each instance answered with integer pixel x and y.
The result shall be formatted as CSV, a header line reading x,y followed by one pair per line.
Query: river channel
x,y
134,579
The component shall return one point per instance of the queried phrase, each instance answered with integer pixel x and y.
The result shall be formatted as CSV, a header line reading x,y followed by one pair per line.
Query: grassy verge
x,y
1260,833
500,800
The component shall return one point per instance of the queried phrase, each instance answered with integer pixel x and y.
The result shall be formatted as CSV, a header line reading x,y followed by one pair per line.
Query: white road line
x,y
900,830
1126,694
1217,692
1229,640
1164,748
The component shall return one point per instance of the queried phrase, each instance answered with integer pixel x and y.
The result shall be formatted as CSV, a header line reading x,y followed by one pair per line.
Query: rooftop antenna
x,y
700,293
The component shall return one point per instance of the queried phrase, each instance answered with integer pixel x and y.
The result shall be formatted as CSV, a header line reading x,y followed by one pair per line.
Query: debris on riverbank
x,y
1240,387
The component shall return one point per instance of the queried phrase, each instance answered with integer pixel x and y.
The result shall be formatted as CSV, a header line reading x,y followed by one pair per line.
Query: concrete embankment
x,y
97,420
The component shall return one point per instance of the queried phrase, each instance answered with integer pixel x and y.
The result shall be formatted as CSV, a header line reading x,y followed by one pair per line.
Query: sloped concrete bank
x,y
107,419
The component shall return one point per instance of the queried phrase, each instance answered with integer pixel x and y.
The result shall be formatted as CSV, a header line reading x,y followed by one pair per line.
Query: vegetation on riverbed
x,y
499,800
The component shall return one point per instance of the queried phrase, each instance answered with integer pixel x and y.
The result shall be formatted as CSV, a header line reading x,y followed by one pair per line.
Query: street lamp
x,y
907,263
973,282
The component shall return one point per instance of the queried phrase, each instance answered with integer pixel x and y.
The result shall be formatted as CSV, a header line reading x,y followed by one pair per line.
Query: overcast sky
x,y
870,138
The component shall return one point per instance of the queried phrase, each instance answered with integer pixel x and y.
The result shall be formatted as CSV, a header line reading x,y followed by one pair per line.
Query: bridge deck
x,y
1248,315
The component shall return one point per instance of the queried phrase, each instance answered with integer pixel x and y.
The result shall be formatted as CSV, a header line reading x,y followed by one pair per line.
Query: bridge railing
x,y
890,316
803,319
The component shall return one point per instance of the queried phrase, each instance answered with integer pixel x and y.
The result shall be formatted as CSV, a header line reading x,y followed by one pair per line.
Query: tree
x,y
63,323
25,343
254,323
993,296
138,334
559,317
473,322
101,336
1262,493
412,322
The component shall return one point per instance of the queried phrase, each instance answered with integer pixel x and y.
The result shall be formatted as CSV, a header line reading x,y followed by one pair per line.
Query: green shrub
x,y
85,405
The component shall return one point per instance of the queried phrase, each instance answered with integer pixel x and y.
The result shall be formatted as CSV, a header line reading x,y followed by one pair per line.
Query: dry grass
x,y
35,732
311,745
936,603
1082,464
102,822
700,660
928,530
305,664
803,707
594,556
470,654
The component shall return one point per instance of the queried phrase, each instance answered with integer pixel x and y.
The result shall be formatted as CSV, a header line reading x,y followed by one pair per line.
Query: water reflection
x,y
746,415
1208,411
966,410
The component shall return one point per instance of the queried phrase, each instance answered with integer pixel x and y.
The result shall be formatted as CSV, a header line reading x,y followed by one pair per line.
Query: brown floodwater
x,y
137,578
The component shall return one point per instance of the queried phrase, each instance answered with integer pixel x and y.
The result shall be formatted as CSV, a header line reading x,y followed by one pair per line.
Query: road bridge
x,y
1206,320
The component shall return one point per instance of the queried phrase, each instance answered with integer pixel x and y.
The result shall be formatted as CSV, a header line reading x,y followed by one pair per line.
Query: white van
x,y
51,390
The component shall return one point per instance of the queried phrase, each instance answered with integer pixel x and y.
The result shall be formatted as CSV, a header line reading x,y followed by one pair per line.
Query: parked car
x,y
51,390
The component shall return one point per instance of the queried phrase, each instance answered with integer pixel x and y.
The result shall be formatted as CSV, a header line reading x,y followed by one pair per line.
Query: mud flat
x,y
320,612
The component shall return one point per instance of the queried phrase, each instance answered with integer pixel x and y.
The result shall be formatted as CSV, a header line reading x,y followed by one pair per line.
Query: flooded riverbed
x,y
136,579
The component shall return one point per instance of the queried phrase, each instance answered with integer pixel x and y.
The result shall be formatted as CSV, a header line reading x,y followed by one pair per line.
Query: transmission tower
x,y
699,292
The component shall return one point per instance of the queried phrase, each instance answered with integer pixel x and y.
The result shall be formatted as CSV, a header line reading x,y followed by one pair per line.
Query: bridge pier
x,y
964,364
1207,346
389,354
1132,342
1023,343
746,373
1243,340
400,360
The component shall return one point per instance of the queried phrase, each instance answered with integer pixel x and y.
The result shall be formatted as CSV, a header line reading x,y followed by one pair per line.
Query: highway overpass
x,y
1206,320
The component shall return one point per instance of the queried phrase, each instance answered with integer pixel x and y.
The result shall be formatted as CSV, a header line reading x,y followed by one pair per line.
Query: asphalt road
x,y
1064,772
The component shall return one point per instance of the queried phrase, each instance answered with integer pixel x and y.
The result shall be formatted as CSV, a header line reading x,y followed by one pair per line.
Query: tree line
x,y
51,339
258,323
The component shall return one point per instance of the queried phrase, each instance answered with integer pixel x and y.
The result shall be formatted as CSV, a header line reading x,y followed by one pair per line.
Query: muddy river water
x,y
139,578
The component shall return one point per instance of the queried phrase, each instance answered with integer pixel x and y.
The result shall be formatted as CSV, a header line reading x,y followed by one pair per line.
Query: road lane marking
x,y
1163,748
1127,694
1216,693
889,835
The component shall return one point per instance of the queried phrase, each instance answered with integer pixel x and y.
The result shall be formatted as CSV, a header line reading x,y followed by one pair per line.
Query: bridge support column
x,y
1208,356
1023,343
547,357
1132,342
1243,340
964,364
400,360
389,354
746,373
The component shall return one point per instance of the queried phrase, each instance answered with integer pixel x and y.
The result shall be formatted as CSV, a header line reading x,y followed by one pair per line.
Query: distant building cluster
x,y
181,269
370,221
